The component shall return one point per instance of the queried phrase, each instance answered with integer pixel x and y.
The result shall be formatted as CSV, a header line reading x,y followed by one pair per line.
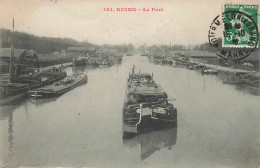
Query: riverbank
x,y
57,66
53,60
48,60
225,69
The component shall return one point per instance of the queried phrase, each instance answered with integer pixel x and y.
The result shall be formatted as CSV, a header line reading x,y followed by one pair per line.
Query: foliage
x,y
39,44
206,46
120,48
164,48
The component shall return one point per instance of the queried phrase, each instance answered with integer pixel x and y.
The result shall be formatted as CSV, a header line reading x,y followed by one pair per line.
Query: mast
x,y
11,66
170,48
165,51
204,57
189,56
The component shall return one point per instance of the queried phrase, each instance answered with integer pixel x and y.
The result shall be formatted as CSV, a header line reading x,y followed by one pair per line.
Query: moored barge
x,y
146,106
58,88
11,92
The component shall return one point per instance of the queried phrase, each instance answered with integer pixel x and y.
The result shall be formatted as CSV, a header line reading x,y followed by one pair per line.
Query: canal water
x,y
218,125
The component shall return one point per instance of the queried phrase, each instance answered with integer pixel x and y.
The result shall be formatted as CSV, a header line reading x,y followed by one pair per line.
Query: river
x,y
218,124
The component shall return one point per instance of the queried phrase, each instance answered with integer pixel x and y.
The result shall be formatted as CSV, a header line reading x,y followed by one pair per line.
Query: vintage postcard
x,y
130,83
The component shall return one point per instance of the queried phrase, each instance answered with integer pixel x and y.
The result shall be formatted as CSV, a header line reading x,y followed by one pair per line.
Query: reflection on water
x,y
5,111
230,79
79,69
7,114
39,102
151,142
85,69
247,90
10,136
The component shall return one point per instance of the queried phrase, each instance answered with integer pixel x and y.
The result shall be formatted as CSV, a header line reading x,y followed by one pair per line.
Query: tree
x,y
178,47
130,47
39,44
141,49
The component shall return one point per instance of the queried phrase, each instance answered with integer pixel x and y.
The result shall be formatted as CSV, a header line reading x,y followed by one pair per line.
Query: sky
x,y
180,22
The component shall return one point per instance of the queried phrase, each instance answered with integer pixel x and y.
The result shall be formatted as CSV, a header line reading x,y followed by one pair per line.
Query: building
x,y
22,58
198,56
81,50
249,63
203,56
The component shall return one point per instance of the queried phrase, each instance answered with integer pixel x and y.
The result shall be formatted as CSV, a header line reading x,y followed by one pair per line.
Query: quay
x,y
57,66
223,69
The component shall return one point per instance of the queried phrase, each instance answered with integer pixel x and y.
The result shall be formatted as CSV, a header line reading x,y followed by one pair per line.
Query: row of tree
x,y
205,47
160,48
47,45
40,44
124,48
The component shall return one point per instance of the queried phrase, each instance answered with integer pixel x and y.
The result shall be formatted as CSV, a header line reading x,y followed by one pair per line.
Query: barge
x,y
146,106
16,90
58,88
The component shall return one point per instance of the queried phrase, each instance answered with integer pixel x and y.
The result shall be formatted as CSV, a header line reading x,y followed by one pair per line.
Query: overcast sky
x,y
181,22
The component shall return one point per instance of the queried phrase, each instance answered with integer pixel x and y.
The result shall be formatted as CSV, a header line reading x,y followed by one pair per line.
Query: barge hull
x,y
49,94
148,123
12,99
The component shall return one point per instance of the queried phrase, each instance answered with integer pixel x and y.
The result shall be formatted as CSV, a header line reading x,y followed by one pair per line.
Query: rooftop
x,y
6,52
81,49
196,53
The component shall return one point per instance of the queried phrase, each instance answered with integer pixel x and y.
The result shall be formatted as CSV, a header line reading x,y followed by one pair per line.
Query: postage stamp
x,y
240,25
234,33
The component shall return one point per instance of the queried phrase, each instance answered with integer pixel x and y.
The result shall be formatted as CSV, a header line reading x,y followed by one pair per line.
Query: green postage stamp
x,y
240,26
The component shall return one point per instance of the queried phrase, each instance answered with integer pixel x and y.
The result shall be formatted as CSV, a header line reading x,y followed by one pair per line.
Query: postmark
x,y
240,29
235,33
